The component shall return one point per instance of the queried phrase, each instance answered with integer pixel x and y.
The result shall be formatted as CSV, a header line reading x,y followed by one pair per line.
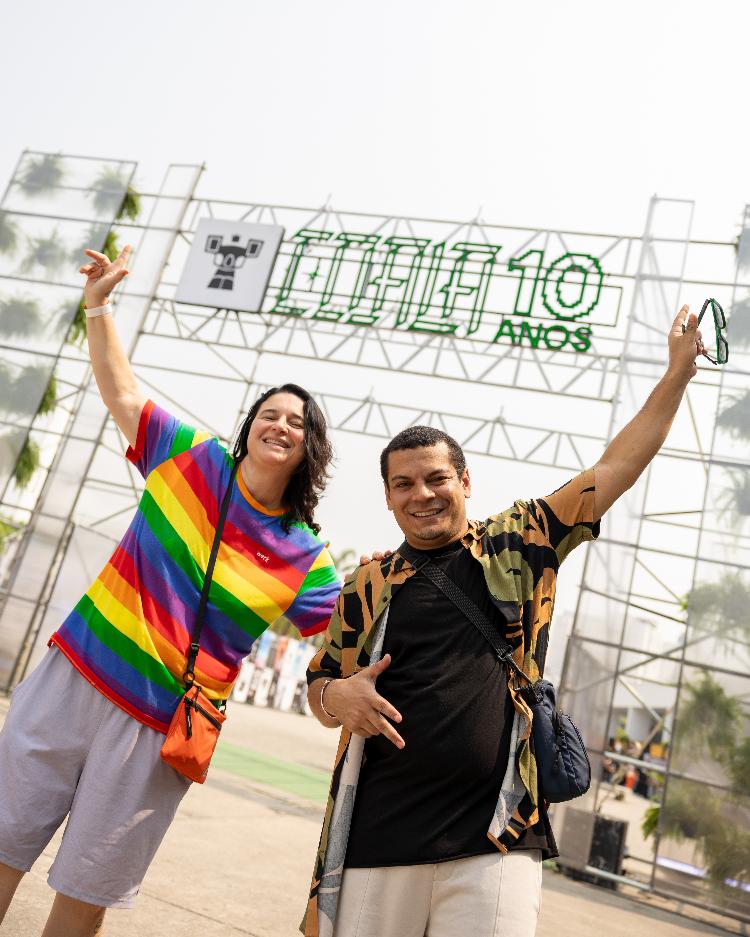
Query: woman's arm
x,y
114,377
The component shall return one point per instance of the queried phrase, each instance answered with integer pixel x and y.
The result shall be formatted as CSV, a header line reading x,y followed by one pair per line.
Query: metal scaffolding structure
x,y
639,655
356,301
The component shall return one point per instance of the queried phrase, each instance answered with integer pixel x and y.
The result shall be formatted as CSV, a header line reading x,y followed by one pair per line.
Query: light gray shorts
x,y
65,749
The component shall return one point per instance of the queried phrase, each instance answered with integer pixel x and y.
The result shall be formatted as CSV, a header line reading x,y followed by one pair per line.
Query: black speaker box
x,y
593,840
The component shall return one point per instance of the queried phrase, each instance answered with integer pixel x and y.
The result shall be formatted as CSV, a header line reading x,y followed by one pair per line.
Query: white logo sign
x,y
229,264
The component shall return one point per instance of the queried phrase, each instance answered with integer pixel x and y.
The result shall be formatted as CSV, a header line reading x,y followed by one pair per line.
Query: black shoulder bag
x,y
563,767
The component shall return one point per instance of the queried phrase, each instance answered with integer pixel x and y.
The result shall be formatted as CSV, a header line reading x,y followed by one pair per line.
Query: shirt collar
x,y
474,534
476,531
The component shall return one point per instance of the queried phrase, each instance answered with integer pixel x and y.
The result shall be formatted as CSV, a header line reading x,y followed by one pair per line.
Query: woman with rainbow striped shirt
x,y
85,729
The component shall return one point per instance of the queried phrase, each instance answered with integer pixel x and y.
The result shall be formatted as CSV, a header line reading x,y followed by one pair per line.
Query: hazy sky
x,y
545,113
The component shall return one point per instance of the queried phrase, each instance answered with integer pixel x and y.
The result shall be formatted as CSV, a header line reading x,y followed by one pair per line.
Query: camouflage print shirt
x,y
520,551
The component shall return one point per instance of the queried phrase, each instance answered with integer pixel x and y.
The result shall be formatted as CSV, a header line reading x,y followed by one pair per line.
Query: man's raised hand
x,y
685,343
360,708
103,275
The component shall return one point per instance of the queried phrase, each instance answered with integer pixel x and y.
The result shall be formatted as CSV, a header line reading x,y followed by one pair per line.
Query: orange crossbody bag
x,y
195,726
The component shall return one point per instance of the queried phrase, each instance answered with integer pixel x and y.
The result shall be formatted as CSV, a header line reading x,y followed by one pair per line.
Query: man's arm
x,y
351,701
635,445
114,376
314,701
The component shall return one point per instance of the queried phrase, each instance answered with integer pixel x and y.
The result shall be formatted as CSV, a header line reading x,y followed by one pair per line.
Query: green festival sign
x,y
465,289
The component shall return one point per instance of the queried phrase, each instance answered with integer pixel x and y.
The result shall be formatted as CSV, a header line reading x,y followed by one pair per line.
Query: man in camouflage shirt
x,y
447,831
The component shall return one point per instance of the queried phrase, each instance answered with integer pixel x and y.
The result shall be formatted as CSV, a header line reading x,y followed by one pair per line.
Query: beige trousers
x,y
483,896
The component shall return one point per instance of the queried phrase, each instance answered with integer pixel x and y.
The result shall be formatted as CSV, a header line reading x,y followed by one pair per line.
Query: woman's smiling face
x,y
277,434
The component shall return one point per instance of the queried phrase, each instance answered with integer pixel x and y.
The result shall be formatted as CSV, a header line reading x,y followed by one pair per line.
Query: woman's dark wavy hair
x,y
309,479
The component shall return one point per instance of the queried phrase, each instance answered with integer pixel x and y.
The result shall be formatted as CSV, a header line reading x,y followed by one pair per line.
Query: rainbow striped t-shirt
x,y
129,635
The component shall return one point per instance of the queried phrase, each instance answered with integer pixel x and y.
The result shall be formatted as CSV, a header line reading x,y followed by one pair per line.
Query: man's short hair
x,y
420,437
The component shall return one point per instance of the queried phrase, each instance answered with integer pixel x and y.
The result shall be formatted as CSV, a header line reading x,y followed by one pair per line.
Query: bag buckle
x,y
188,719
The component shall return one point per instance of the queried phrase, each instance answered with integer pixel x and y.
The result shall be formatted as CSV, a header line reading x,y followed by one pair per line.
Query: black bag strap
x,y
189,675
452,591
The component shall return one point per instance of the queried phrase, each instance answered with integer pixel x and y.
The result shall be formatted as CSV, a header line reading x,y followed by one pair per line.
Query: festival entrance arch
x,y
530,346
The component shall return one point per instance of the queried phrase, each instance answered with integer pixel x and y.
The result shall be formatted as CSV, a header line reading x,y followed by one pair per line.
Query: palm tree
x,y
77,325
112,196
709,723
11,441
345,561
8,234
41,174
99,237
743,256
735,417
109,247
678,818
739,765
721,607
738,326
16,396
27,463
734,501
49,398
709,720
28,458
46,252
20,394
131,204
6,532
19,316
94,237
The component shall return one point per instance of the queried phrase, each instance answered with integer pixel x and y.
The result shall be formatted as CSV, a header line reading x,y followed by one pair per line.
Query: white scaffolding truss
x,y
632,645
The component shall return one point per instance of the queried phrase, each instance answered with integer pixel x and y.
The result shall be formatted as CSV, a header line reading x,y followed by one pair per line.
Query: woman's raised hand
x,y
103,275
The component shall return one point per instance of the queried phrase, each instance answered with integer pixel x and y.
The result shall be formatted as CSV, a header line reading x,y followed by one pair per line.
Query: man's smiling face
x,y
426,495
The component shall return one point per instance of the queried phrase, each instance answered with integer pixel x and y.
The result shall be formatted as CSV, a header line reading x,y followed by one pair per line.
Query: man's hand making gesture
x,y
360,708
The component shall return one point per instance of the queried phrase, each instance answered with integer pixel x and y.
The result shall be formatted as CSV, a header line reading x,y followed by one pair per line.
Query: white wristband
x,y
104,310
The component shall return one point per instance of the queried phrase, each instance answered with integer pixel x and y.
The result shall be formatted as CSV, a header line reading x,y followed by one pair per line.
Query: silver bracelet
x,y
322,704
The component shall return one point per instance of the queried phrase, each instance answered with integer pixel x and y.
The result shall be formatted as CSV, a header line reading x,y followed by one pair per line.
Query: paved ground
x,y
237,859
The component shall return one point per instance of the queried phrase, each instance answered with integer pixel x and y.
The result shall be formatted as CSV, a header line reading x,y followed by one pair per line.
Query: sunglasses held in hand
x,y
720,325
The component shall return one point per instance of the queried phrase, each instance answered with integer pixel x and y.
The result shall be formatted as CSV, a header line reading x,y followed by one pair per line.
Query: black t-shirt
x,y
434,799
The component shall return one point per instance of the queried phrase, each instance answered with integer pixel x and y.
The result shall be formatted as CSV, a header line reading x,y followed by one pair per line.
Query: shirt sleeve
x,y
327,661
311,610
566,517
161,436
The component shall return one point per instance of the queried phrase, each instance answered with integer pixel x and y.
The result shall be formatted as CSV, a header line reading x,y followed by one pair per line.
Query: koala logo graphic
x,y
228,258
